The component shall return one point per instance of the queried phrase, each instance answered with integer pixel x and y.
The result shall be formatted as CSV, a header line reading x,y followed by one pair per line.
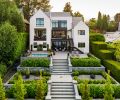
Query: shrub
x,y
97,37
105,54
114,68
40,47
3,69
85,62
35,62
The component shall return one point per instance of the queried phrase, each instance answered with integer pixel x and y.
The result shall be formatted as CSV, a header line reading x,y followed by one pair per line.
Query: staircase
x,y
61,85
60,67
61,90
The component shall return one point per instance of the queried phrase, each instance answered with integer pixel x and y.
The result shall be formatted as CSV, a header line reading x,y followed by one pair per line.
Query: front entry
x,y
59,45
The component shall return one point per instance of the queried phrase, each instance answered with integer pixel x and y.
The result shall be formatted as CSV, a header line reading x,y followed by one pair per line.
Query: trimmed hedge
x,y
114,67
105,54
3,69
97,37
85,62
97,90
35,62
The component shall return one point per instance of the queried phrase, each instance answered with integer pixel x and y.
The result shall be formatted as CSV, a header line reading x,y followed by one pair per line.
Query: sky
x,y
89,8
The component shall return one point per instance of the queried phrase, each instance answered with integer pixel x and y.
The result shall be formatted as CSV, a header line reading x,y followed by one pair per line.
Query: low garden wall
x,y
102,68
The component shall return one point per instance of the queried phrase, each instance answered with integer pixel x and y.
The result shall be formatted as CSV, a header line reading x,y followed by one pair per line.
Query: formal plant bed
x,y
85,62
98,90
93,77
35,62
30,77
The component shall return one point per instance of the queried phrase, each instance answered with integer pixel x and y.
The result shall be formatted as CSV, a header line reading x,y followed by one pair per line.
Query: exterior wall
x,y
81,38
33,26
69,21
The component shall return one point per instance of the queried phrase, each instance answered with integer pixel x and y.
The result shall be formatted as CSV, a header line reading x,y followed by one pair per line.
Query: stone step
x,y
60,64
66,69
64,86
60,60
62,90
63,97
61,67
61,73
62,93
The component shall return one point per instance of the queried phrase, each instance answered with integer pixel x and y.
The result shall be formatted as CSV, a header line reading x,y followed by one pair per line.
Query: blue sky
x,y
89,8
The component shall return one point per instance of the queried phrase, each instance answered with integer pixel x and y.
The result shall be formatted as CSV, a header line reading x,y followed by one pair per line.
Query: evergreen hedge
x,y
35,62
114,68
85,62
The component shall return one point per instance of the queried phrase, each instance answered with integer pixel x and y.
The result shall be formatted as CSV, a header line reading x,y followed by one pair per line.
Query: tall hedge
x,y
114,68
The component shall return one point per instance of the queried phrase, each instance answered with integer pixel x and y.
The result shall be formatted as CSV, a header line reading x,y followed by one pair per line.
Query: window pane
x,y
81,45
81,32
40,22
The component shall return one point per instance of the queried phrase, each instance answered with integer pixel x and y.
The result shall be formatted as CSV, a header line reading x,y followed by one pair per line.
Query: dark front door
x,y
59,45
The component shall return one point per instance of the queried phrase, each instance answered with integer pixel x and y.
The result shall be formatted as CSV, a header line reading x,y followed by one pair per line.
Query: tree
x,y
99,21
78,14
2,91
92,23
108,89
8,43
20,90
40,91
9,12
112,26
68,8
85,91
104,23
117,17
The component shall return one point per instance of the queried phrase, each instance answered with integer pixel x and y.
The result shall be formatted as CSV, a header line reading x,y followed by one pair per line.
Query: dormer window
x,y
39,22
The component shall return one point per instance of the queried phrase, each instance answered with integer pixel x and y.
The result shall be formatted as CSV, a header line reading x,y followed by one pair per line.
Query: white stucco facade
x,y
72,31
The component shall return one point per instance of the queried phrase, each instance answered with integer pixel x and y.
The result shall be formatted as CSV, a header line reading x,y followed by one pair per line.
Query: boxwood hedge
x,y
35,62
85,62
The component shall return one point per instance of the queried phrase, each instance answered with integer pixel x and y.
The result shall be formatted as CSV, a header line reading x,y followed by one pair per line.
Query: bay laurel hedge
x,y
97,90
85,62
35,62
114,68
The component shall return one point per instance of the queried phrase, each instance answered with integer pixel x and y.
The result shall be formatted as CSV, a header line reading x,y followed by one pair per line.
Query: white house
x,y
58,31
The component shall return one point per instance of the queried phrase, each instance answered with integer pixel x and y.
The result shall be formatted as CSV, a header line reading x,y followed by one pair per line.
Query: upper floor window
x,y
81,32
59,23
81,45
40,22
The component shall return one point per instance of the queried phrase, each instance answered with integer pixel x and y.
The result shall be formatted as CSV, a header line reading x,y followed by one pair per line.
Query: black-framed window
x,y
59,23
40,22
54,23
44,45
35,44
81,45
81,32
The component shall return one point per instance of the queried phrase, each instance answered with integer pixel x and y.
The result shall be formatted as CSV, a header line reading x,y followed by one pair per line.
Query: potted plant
x,y
92,76
27,73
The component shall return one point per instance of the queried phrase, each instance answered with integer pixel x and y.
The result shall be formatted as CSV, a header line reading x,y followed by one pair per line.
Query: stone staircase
x,y
61,86
60,67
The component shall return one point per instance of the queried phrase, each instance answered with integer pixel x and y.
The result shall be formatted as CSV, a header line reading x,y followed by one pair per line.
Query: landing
x,y
60,55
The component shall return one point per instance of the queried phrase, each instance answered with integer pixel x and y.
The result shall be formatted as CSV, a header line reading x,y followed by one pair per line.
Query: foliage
x,y
78,14
99,21
85,91
8,43
92,23
108,89
2,91
68,8
114,68
96,37
85,62
9,12
35,62
112,26
20,90
3,69
40,89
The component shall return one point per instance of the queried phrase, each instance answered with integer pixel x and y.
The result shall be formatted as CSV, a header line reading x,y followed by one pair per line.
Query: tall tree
x,y
2,91
68,8
92,23
20,90
78,14
99,21
104,22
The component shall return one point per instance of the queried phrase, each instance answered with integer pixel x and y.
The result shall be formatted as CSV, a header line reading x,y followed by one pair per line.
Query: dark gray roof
x,y
58,14
75,21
